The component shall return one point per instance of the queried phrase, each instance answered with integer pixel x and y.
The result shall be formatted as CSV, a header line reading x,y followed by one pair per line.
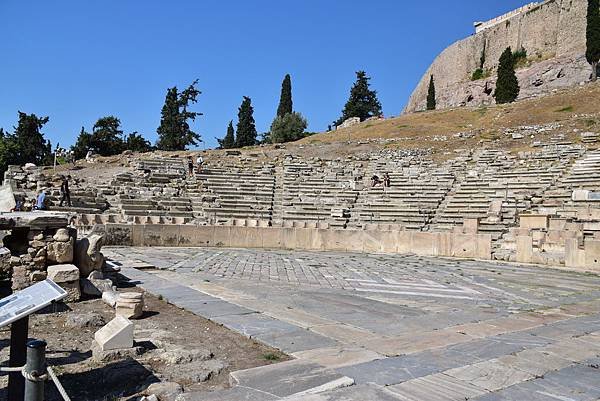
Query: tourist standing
x,y
190,166
65,192
199,163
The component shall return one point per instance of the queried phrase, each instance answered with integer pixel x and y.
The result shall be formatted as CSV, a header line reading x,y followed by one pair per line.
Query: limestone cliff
x,y
552,33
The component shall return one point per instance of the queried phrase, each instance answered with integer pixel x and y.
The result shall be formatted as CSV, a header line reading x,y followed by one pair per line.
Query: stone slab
x,y
534,361
212,309
7,198
490,375
63,273
397,370
232,394
289,378
364,392
251,325
437,387
116,334
299,340
337,357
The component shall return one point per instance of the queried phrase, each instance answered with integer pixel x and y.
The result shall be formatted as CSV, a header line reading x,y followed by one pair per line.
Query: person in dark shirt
x,y
386,180
190,166
65,192
375,180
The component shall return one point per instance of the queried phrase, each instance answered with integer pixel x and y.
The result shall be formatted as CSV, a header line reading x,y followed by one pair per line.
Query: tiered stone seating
x,y
235,193
584,174
316,193
496,190
409,202
152,192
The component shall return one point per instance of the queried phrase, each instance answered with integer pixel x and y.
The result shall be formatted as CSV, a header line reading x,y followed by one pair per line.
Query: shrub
x,y
477,74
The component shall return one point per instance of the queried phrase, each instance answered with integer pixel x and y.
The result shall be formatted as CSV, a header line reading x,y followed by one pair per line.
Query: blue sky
x,y
78,60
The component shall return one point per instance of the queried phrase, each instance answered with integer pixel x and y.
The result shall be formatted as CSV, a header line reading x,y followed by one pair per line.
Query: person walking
x,y
190,166
65,192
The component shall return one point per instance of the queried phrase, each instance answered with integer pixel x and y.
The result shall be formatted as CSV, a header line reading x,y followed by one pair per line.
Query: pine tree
x,y
285,99
82,145
137,143
246,130
431,95
363,102
174,132
507,86
107,136
228,140
593,36
28,141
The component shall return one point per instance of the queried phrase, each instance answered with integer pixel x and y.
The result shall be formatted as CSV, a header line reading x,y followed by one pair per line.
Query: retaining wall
x,y
475,246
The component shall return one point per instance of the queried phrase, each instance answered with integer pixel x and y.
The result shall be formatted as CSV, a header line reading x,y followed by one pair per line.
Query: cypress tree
x,y
431,95
228,140
285,99
363,102
507,86
592,53
246,130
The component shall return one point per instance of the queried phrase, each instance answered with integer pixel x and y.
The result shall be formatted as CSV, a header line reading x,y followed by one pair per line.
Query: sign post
x,y
15,310
18,353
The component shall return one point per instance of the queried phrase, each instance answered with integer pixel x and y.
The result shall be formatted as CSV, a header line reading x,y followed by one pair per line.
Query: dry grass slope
x,y
573,109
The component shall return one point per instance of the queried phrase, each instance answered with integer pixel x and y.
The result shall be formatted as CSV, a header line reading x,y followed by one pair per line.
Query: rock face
x,y
552,33
350,122
87,254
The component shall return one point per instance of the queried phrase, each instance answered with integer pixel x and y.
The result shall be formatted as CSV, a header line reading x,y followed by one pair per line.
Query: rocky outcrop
x,y
553,35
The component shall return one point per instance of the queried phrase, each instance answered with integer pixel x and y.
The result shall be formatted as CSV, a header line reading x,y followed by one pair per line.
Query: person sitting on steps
x,y
41,201
375,181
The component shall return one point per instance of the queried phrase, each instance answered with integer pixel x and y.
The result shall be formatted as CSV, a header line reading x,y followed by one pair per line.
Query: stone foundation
x,y
477,246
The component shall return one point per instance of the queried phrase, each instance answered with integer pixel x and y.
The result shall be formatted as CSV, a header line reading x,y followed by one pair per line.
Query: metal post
x,y
18,346
35,367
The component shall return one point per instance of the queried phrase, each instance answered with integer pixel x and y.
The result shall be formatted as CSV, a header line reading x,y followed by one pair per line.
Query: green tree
x,y
82,145
228,140
507,86
26,144
431,95
174,132
363,102
137,143
285,99
246,130
288,128
107,136
7,150
593,36
29,143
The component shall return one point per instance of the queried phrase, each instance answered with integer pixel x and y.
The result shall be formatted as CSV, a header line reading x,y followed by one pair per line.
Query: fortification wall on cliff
x,y
552,32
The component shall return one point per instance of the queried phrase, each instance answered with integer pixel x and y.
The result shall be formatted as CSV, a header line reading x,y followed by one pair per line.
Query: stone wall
x,y
552,33
448,244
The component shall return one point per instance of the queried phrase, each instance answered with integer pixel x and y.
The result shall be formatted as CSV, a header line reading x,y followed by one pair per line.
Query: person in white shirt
x,y
199,162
